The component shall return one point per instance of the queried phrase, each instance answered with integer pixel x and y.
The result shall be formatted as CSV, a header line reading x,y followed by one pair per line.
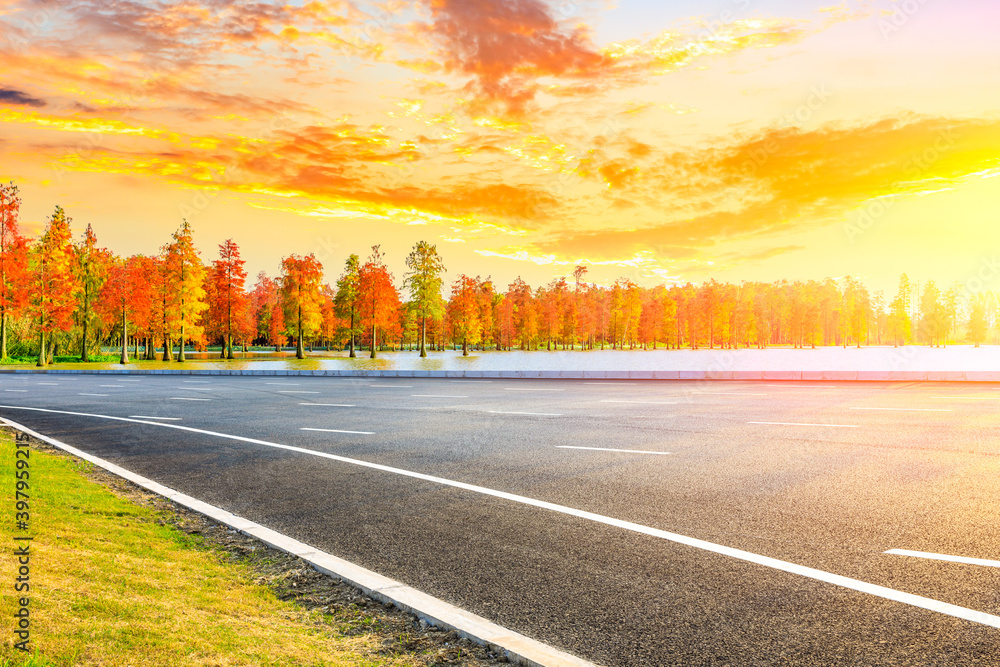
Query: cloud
x,y
14,96
506,45
784,180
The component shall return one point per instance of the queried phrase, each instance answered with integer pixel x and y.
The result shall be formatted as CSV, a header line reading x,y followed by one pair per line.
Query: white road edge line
x,y
919,601
950,559
80,394
186,398
472,381
517,647
530,389
392,386
172,419
543,414
909,409
19,391
605,449
285,384
607,400
797,424
336,430
296,391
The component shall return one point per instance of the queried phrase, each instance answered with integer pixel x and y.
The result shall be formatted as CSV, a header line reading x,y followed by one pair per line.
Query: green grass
x,y
22,359
112,587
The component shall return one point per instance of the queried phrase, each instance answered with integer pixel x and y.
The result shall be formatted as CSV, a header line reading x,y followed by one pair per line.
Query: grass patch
x,y
112,584
22,359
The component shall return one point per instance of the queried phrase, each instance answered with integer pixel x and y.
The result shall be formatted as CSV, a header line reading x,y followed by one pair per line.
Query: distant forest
x,y
64,297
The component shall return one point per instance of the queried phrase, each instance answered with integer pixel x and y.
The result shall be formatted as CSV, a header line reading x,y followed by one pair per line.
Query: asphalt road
x,y
822,476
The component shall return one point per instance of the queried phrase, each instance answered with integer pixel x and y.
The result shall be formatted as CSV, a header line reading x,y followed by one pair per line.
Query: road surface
x,y
627,522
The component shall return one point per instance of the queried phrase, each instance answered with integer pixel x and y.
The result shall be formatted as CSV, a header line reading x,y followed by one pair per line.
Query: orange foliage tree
x,y
54,286
378,298
228,301
13,262
301,299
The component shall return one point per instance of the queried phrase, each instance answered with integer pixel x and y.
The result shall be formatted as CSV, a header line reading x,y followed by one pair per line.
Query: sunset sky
x,y
660,141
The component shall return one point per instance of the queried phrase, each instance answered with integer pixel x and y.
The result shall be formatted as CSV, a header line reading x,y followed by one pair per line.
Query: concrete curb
x,y
516,647
791,376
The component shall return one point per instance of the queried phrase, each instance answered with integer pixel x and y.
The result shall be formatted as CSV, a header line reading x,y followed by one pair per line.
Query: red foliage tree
x,y
13,262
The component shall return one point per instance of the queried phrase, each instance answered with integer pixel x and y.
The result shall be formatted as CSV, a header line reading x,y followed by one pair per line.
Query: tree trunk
x,y
353,353
168,348
465,347
41,348
124,357
299,352
180,353
423,336
3,334
84,352
374,338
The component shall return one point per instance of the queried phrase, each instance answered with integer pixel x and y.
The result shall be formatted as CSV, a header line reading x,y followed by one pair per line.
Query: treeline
x,y
57,295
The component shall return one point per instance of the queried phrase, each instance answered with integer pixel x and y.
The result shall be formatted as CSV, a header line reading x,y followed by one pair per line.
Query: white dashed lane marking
x,y
605,449
335,430
798,424
951,559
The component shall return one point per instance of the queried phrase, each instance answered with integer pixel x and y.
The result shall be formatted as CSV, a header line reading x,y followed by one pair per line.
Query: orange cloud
x,y
506,45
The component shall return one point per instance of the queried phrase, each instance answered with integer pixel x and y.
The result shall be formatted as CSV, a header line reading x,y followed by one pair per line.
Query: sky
x,y
651,140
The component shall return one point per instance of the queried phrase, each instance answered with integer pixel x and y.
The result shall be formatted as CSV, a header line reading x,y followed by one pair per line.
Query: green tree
x,y
346,300
187,274
424,282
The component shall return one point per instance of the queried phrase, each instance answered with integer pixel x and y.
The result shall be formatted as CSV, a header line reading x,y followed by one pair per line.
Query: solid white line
x,y
435,396
197,381
82,394
801,570
531,389
797,424
48,383
184,398
393,386
295,391
641,402
285,384
604,449
197,388
128,380
545,414
909,409
335,430
20,391
110,385
444,615
950,559
172,419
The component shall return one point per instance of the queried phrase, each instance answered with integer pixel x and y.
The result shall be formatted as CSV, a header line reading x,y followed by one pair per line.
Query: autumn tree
x,y
978,324
187,275
229,302
301,298
463,311
91,268
13,262
424,281
122,298
54,286
346,299
378,298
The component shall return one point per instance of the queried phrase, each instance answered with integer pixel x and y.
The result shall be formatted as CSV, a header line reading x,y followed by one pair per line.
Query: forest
x,y
63,298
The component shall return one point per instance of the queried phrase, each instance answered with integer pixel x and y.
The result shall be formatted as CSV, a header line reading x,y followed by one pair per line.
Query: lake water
x,y
956,358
